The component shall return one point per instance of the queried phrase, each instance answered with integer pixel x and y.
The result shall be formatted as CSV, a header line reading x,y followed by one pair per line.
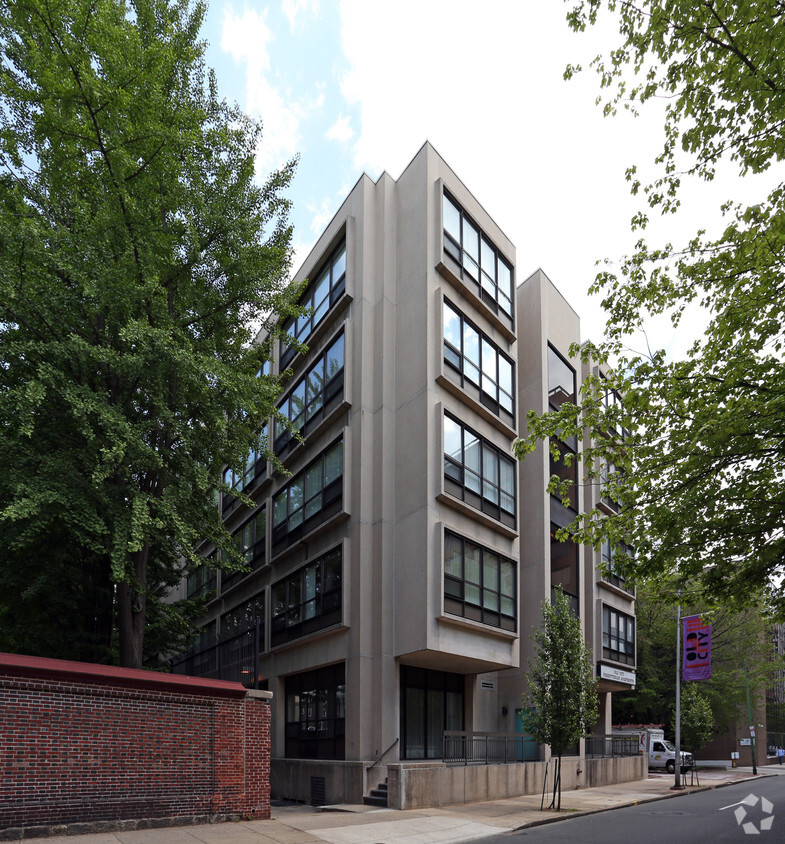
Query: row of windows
x,y
479,584
477,256
309,498
314,392
319,298
307,600
478,359
478,472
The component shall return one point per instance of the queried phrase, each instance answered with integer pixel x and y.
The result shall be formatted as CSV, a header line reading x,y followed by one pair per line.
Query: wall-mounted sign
x,y
745,742
617,675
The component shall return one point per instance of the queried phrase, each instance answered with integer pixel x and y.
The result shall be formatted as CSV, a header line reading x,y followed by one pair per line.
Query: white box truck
x,y
652,743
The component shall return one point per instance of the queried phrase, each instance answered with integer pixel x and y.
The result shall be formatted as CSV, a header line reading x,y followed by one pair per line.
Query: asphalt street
x,y
753,811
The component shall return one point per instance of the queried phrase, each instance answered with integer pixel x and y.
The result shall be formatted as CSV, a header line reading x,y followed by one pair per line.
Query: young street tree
x,y
561,705
136,250
700,477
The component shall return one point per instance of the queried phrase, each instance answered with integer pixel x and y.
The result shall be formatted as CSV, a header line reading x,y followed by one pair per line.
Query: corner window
x,y
319,297
480,261
479,584
478,473
479,362
618,636
308,600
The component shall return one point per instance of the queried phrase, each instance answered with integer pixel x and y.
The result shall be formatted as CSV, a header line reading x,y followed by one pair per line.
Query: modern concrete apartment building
x,y
395,577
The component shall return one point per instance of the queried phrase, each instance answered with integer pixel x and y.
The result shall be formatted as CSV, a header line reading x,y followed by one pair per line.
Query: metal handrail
x,y
383,754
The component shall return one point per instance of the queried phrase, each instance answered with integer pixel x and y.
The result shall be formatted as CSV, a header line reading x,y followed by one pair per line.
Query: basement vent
x,y
318,791
487,684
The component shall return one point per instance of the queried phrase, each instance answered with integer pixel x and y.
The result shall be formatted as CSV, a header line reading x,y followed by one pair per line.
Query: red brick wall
x,y
83,743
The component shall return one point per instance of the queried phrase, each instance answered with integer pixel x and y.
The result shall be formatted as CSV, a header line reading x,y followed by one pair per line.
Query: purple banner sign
x,y
696,661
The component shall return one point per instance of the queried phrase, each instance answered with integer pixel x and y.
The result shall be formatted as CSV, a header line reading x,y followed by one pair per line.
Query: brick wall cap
x,y
61,669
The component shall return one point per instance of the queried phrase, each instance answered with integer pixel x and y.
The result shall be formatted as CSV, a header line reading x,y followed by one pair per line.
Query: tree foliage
x,y
697,720
136,250
561,704
700,476
736,636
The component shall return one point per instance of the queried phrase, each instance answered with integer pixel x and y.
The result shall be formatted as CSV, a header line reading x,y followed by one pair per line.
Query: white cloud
x,y
247,37
340,131
488,91
293,8
323,213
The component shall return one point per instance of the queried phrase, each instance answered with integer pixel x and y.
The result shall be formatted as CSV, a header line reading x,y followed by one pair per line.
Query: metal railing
x,y
606,745
488,748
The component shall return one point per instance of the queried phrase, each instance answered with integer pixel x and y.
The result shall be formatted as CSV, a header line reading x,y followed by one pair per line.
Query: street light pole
x,y
752,723
677,761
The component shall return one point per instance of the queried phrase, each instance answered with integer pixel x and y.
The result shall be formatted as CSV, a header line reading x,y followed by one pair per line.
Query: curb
x,y
579,813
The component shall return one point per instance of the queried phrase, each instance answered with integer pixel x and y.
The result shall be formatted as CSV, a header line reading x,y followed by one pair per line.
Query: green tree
x,y
700,475
736,636
137,250
697,720
561,703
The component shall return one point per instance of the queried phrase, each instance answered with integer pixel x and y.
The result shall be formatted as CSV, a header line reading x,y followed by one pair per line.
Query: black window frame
x,y
290,617
488,253
459,361
626,655
308,696
315,405
435,687
456,472
304,326
298,521
253,547
456,601
254,471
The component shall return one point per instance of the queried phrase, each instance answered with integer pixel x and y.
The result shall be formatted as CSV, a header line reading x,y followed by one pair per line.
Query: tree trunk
x,y
131,611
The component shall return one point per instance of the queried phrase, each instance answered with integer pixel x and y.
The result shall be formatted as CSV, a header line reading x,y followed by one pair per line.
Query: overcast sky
x,y
357,86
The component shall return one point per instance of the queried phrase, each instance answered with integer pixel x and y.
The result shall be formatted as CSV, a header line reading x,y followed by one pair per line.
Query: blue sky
x,y
358,85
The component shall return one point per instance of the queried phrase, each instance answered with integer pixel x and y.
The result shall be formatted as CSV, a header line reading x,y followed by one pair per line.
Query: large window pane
x,y
453,440
452,220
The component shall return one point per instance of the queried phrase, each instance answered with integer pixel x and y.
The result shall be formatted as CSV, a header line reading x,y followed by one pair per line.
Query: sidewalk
x,y
297,824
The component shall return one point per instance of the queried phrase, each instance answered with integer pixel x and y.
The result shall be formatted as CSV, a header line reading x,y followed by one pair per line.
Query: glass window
x,y
315,712
618,636
318,298
308,496
478,360
312,396
485,475
561,380
307,600
431,702
478,583
478,257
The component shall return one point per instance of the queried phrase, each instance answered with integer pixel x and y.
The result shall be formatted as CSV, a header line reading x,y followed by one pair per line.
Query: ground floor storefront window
x,y
431,702
315,714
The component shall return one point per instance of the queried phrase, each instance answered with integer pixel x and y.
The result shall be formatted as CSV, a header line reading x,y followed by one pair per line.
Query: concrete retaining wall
x,y
415,786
